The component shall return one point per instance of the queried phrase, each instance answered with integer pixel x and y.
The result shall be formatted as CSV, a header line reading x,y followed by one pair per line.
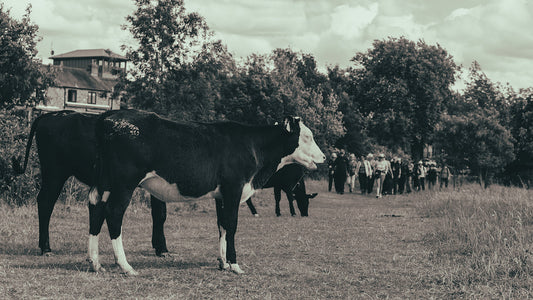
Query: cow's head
x,y
302,200
307,152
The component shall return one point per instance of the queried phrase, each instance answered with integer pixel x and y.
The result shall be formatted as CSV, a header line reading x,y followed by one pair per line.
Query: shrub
x,y
22,189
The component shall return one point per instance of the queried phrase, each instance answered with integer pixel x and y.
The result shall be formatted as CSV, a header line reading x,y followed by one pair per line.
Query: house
x,y
84,81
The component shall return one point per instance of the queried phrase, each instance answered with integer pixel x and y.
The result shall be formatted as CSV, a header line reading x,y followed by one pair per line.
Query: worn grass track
x,y
351,246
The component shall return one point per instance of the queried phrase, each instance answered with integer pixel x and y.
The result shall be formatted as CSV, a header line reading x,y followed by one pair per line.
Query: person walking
x,y
432,174
381,171
364,172
420,174
352,172
371,178
341,172
396,166
444,175
331,170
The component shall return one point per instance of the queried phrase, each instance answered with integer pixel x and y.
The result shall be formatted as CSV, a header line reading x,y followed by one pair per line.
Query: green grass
x,y
467,244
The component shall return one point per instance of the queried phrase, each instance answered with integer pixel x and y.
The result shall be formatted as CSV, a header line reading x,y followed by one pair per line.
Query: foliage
x,y
267,88
520,171
167,36
484,95
476,141
403,86
22,189
20,72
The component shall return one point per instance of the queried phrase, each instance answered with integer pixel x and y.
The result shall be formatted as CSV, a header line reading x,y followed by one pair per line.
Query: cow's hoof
x,y
256,215
46,252
130,272
95,266
293,215
162,253
222,265
235,269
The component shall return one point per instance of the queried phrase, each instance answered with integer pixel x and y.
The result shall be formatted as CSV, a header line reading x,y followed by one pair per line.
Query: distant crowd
x,y
389,175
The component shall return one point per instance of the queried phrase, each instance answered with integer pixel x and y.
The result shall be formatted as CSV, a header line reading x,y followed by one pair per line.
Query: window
x,y
72,95
91,99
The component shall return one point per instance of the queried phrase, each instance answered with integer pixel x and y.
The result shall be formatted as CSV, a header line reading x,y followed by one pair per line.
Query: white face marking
x,y
307,154
120,256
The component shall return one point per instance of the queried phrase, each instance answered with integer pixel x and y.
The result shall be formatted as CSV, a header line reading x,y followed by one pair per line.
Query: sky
x,y
496,33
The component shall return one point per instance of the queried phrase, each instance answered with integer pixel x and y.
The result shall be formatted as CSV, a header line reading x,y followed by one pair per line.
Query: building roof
x,y
100,53
81,79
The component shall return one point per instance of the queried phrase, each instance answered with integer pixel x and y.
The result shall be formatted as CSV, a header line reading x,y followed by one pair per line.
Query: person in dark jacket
x,y
396,166
331,170
341,172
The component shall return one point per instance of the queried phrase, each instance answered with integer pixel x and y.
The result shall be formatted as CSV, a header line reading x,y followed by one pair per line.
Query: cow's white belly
x,y
169,192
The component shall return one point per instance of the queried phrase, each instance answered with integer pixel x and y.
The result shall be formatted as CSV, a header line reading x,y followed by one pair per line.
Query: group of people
x,y
389,176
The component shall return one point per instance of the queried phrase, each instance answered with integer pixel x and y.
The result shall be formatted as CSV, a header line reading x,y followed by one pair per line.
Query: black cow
x,y
179,161
289,179
66,147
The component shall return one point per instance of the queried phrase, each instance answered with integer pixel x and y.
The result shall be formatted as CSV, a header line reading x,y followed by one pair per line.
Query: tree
x,y
402,91
168,39
521,126
484,95
21,76
476,141
269,87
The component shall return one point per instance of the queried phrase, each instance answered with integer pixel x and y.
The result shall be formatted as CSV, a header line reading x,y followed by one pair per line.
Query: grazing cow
x,y
290,180
179,161
66,147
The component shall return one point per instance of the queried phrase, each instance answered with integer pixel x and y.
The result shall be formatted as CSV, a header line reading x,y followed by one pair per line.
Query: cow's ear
x,y
291,124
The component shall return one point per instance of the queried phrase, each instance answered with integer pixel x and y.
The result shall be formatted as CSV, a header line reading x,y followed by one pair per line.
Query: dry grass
x,y
472,243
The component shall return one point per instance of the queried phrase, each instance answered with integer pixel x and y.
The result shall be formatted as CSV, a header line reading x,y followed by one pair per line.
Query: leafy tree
x,y
168,39
402,90
342,83
476,141
482,94
20,71
267,88
521,125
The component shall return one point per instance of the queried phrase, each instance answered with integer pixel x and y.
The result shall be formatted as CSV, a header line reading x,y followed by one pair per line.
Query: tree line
x,y
397,96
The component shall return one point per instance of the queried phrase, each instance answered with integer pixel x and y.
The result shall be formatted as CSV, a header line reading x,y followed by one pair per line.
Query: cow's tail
x,y
16,161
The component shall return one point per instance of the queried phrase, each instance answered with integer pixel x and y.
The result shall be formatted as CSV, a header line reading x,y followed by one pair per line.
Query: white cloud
x,y
495,33
350,22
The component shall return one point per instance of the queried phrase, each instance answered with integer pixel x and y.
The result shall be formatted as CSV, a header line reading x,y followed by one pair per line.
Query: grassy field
x,y
471,243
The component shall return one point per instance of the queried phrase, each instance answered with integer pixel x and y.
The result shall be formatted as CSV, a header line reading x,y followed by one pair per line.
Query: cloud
x,y
495,33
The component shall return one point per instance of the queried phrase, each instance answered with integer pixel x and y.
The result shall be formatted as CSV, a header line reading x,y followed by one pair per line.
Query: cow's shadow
x,y
144,260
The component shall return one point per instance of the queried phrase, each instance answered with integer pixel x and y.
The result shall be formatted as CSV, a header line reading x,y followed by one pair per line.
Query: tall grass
x,y
482,235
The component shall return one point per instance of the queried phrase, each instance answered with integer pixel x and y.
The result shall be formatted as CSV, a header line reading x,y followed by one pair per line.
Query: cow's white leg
x,y
92,254
222,263
120,257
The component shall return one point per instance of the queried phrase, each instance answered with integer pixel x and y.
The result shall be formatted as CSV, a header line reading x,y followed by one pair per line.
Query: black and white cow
x,y
66,147
179,161
289,179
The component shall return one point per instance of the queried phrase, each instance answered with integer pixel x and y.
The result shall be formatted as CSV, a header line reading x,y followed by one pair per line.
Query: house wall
x,y
56,99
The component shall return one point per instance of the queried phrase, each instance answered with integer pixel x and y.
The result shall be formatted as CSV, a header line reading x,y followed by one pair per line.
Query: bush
x,y
22,189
